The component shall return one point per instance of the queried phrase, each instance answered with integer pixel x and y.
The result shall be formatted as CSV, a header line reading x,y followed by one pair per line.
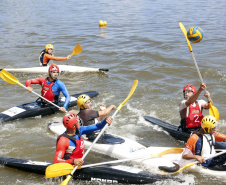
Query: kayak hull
x,y
177,133
35,109
63,69
110,174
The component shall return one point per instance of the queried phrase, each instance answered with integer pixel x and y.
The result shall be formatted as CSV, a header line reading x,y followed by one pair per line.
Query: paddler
x,y
201,145
51,88
70,146
191,109
47,54
89,116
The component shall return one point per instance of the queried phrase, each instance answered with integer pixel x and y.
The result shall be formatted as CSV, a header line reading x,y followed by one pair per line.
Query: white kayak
x,y
125,148
63,68
114,146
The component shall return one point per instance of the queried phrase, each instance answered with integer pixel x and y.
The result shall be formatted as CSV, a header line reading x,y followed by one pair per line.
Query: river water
x,y
141,41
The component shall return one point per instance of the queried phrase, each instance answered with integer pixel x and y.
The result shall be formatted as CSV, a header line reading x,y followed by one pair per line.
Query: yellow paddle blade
x,y
169,151
5,75
77,50
65,182
58,169
185,34
186,166
129,95
213,111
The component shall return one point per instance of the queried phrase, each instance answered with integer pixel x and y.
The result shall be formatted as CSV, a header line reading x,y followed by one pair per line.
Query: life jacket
x,y
78,152
41,58
205,147
47,92
194,117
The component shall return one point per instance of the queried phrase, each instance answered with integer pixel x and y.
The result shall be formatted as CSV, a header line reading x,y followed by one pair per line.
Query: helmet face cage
x,y
208,122
81,100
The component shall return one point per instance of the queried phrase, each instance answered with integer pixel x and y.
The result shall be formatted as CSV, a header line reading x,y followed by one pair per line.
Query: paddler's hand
x,y
202,87
109,120
62,109
200,159
29,89
207,94
78,162
69,57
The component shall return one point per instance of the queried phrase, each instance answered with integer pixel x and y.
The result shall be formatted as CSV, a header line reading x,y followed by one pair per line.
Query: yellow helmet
x,y
81,100
48,46
208,122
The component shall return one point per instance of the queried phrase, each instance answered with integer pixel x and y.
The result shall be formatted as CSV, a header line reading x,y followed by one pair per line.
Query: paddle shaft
x,y
217,154
165,152
99,135
118,109
41,96
197,68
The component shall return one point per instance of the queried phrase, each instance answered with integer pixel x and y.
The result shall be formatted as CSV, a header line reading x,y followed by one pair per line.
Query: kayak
x,y
177,133
123,148
63,69
35,109
110,144
109,174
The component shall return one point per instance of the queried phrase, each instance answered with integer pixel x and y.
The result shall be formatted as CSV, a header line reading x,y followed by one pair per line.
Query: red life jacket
x,y
79,150
47,91
194,117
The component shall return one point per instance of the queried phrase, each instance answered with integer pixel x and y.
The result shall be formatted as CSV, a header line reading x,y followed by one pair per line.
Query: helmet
x,y
189,87
48,46
53,67
81,100
208,122
71,119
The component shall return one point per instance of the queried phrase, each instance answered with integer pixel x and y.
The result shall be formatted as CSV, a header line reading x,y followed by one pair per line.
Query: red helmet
x,y
190,87
53,67
71,119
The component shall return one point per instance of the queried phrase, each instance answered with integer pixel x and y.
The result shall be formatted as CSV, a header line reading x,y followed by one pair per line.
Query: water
x,y
141,41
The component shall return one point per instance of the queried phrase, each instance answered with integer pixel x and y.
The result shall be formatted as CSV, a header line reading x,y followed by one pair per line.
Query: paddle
x,y
191,164
77,50
5,75
102,131
60,169
212,110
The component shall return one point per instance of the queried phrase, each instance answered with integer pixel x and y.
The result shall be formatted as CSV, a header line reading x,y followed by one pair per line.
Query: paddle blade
x,y
129,95
186,166
169,151
185,34
213,111
77,50
65,182
5,75
58,169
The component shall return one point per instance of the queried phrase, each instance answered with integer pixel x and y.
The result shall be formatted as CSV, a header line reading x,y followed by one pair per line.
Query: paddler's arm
x,y
186,155
50,57
195,96
207,95
39,81
66,94
98,126
105,111
219,137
